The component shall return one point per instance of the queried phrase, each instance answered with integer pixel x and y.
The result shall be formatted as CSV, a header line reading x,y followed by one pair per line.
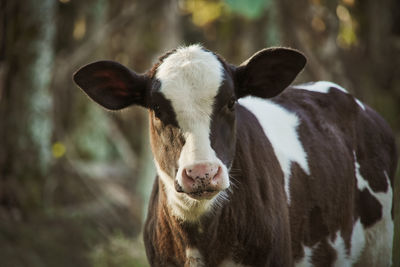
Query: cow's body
x,y
323,149
310,170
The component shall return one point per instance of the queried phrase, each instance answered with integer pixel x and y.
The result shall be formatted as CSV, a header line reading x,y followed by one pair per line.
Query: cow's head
x,y
191,95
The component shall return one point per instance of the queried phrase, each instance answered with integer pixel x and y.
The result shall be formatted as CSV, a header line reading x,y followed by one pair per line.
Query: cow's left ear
x,y
268,72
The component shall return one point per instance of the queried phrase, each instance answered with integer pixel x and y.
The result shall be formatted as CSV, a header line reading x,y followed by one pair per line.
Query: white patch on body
x,y
370,246
324,87
306,260
194,258
280,126
190,78
320,87
342,258
357,241
379,237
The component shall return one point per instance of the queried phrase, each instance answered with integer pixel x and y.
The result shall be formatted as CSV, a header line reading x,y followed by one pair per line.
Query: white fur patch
x,y
320,87
379,237
342,258
280,126
190,78
324,87
384,198
357,241
349,258
306,260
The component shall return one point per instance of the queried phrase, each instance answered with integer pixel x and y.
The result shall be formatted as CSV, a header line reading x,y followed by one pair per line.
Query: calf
x,y
249,175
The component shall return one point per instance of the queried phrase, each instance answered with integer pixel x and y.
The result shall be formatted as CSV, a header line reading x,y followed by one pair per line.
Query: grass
x,y
119,251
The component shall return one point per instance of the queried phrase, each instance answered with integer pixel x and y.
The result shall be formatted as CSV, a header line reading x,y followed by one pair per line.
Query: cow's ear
x,y
268,72
112,85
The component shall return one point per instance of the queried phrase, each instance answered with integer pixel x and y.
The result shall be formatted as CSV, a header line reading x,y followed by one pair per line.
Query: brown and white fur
x,y
252,172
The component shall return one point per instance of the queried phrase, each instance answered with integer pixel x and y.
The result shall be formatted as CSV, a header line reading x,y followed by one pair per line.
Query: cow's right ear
x,y
112,85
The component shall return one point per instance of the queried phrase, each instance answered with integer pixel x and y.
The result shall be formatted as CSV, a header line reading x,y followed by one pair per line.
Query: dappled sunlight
x,y
347,36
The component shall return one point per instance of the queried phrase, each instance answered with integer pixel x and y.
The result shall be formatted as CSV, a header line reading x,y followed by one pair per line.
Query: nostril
x,y
218,172
217,175
186,174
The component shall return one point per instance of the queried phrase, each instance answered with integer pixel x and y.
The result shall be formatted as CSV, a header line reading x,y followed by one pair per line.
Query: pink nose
x,y
201,177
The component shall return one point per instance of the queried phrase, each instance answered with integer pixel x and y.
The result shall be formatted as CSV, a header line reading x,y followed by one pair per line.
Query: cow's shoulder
x,y
280,126
327,100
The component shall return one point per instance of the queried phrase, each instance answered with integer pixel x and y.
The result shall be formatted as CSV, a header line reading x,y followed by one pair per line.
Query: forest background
x,y
74,178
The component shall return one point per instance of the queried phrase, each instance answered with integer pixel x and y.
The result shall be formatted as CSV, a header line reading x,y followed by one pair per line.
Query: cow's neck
x,y
190,239
192,226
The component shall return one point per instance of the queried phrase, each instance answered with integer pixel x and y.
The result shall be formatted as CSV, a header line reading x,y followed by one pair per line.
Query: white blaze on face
x,y
190,78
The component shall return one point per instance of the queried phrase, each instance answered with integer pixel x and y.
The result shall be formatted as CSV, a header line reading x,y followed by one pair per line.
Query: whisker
x,y
233,181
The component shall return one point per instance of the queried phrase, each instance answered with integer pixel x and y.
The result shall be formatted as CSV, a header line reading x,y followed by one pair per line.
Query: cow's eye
x,y
157,111
231,103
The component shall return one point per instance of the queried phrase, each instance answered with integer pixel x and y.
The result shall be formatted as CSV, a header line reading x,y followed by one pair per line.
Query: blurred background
x,y
74,178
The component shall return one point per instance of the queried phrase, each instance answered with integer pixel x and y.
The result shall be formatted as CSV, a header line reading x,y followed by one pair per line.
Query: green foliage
x,y
251,9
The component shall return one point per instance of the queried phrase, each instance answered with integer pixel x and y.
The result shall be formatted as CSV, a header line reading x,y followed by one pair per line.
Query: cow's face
x,y
192,122
191,96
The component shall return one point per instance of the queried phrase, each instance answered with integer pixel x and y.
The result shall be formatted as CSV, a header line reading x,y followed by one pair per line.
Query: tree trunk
x,y
25,105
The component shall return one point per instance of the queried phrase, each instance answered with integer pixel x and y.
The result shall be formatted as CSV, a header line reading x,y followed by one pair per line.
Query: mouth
x,y
199,194
204,194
